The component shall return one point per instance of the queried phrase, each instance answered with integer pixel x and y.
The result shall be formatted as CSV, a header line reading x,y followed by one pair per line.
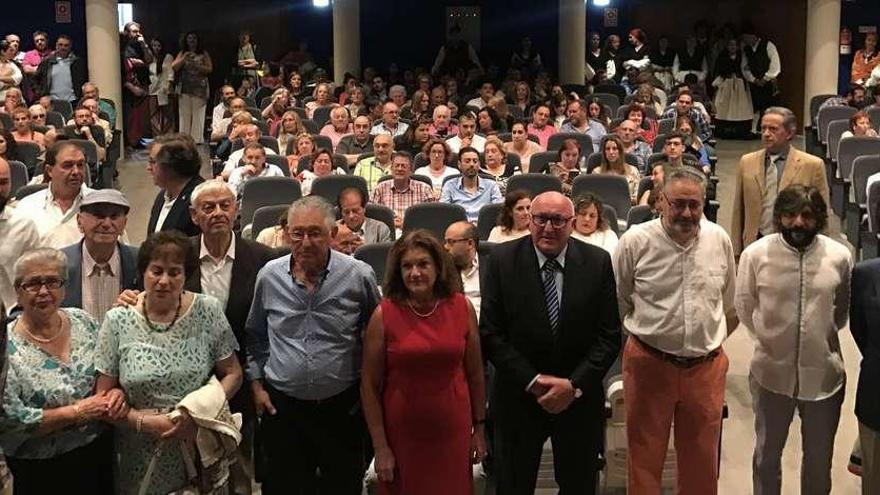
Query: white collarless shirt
x,y
216,275
57,228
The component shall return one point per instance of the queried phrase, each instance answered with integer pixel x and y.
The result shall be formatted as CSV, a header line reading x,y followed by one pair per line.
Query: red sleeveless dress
x,y
426,400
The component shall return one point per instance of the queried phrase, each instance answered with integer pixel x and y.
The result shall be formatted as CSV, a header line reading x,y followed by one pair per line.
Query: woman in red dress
x,y
422,381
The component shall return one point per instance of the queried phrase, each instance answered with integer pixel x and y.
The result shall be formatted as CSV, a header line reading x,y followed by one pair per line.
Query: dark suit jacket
x,y
130,278
179,217
864,323
78,75
515,327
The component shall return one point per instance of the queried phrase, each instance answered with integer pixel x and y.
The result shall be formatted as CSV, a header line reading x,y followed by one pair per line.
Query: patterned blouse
x,y
37,380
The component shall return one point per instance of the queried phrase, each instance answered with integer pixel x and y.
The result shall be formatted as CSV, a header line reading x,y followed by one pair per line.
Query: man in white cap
x,y
99,266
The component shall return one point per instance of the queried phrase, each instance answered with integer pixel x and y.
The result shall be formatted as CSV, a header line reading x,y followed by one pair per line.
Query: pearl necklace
x,y
422,315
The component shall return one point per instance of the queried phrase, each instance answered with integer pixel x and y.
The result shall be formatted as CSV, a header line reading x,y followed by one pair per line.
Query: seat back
x,y
280,162
644,184
540,160
299,111
434,217
310,125
836,128
55,119
267,191
270,142
609,100
659,143
18,176
375,255
6,121
556,140
873,207
874,116
329,187
852,147
611,217
638,214
815,103
828,114
29,189
862,168
535,184
612,189
665,126
488,219
64,108
29,154
514,161
321,115
323,142
383,214
267,216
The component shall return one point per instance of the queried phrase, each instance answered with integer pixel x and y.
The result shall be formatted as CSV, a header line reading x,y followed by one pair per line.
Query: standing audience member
x,y
61,75
136,60
865,330
401,191
865,61
761,68
470,190
424,335
550,328
174,164
10,73
733,102
161,79
192,66
792,294
352,205
675,284
306,382
764,172
33,58
19,234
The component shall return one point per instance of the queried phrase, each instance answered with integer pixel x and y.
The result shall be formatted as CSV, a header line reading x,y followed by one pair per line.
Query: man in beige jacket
x,y
763,173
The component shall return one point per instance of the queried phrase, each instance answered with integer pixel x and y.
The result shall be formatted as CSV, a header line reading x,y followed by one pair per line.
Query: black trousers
x,y
314,447
87,469
576,436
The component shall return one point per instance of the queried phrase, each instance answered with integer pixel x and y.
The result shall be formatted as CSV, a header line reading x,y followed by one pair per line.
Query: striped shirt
x,y
400,199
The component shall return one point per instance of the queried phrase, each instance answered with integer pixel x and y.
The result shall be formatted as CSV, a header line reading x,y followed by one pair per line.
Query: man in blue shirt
x,y
578,122
303,338
469,190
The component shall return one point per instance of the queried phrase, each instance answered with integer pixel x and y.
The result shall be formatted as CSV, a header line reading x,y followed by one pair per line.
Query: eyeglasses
x,y
34,286
556,222
299,235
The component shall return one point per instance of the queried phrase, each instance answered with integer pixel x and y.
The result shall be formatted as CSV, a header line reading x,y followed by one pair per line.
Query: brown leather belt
x,y
680,361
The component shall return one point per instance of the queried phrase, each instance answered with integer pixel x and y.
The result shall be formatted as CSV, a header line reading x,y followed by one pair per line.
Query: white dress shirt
x,y
100,283
17,235
216,274
477,142
793,304
237,155
470,280
237,178
675,298
57,228
772,71
163,213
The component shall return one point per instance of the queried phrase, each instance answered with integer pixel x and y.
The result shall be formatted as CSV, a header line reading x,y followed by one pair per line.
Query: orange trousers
x,y
656,393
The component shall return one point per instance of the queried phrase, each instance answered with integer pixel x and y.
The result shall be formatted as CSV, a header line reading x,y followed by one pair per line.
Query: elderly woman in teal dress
x,y
53,428
166,345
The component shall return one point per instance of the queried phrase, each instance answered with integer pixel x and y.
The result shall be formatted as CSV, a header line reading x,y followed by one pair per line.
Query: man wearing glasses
x,y
675,285
550,326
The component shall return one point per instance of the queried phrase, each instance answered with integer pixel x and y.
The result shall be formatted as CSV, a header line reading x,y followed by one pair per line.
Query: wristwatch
x,y
577,392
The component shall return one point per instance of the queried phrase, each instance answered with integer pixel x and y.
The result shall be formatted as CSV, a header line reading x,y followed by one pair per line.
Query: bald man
x,y
391,123
550,326
339,126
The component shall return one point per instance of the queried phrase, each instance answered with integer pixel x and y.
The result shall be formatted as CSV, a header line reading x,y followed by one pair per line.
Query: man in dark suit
x,y
99,267
864,323
227,269
174,164
550,326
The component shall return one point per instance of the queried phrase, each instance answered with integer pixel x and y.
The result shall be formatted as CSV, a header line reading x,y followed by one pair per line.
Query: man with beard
x,y
461,241
792,294
19,234
675,290
469,190
764,172
579,123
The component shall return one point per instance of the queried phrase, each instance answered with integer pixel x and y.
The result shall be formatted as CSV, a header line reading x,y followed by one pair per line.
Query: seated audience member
x,y
655,187
578,122
521,145
84,127
596,111
540,125
692,143
488,122
390,123
646,96
568,165
19,235
53,210
496,163
397,94
338,127
38,115
684,106
352,208
344,240
275,236
227,94
461,241
90,91
321,166
12,100
375,167
291,126
250,134
401,192
647,127
674,148
52,414
467,136
220,127
22,131
360,141
323,97
415,138
441,125
418,108
613,163
438,154
357,102
859,125
633,145
254,166
514,217
237,124
274,111
854,97
303,146
94,107
470,190
487,91
100,266
174,163
590,224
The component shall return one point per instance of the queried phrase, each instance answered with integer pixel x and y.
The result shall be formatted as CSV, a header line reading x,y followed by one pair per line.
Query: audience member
x,y
375,167
91,91
590,224
192,66
514,217
274,111
275,236
733,102
357,143
859,125
865,60
19,234
304,146
174,163
692,143
323,93
677,313
486,92
628,132
579,123
540,125
684,107
10,73
352,205
321,372
496,165
22,131
467,136
61,75
390,123
8,148
254,166
438,154
401,192
290,127
521,146
250,134
648,128
690,60
613,163
321,166
442,125
810,380
547,382
136,59
84,127
764,172
220,127
344,240
227,94
338,127
415,138
470,190
33,58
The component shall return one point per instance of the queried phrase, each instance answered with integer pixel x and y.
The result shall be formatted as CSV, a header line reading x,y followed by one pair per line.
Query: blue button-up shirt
x,y
487,192
595,130
308,344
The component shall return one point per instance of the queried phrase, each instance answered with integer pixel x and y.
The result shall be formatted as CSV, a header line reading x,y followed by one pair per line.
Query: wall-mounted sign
x,y
867,29
62,12
610,17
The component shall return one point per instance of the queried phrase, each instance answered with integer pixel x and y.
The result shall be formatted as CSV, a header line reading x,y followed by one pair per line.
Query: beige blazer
x,y
800,168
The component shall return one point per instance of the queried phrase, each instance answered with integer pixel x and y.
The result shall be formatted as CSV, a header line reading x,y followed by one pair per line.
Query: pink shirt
x,y
34,58
335,136
543,134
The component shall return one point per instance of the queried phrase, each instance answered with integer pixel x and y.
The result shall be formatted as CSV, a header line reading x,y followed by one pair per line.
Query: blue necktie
x,y
551,266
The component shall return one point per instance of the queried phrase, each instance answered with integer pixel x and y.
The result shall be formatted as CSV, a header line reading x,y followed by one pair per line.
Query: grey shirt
x,y
308,344
373,231
62,80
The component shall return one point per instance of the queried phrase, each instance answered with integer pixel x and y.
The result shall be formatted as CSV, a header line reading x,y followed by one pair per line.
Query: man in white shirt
x,y
254,166
18,234
675,289
461,241
467,135
53,210
792,294
227,93
250,134
487,91
391,123
221,125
